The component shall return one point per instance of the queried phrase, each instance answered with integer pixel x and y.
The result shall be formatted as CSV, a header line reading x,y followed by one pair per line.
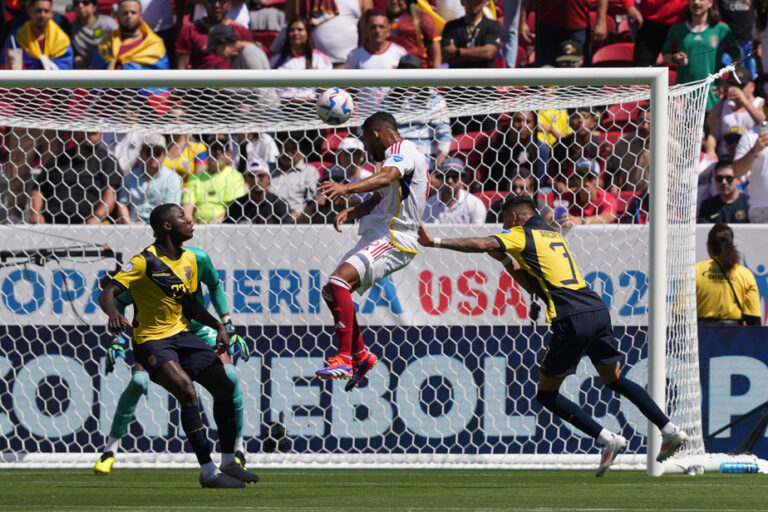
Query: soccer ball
x,y
335,106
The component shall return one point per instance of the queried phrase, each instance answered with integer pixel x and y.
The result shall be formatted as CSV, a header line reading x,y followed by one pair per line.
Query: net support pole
x,y
657,265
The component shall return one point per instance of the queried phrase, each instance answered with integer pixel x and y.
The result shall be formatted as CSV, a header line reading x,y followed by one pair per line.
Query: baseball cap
x,y
154,140
410,61
257,165
733,134
570,51
587,165
452,164
351,143
217,34
740,76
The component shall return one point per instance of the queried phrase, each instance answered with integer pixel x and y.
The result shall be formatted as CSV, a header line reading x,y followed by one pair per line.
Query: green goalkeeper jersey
x,y
205,274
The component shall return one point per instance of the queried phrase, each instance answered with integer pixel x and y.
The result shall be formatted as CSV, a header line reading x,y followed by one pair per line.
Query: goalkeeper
x,y
139,382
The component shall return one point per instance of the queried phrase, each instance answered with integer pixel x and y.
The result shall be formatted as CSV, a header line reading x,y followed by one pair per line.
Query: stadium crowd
x,y
582,165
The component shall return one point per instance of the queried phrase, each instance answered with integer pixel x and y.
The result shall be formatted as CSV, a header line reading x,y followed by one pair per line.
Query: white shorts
x,y
375,259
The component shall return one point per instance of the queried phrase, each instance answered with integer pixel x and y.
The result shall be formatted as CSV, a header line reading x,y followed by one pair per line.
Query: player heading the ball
x,y
581,324
389,223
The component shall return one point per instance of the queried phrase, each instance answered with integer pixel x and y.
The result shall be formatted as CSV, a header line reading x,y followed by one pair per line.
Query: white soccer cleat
x,y
609,453
670,444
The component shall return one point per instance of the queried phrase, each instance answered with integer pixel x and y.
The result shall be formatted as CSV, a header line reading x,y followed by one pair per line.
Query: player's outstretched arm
x,y
472,244
380,179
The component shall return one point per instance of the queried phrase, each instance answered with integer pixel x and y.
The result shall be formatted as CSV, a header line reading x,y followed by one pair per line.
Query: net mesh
x,y
458,340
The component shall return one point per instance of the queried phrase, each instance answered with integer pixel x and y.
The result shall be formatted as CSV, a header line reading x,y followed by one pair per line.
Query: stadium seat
x,y
489,197
614,55
610,24
615,8
531,22
522,56
332,140
265,38
623,34
618,116
70,16
623,200
107,7
470,147
672,76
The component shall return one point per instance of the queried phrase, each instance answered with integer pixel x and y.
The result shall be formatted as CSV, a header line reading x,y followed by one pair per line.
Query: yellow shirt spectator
x,y
185,163
557,119
714,297
210,194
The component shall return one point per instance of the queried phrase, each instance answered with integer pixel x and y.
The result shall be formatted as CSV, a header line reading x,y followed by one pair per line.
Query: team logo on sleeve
x,y
397,158
128,267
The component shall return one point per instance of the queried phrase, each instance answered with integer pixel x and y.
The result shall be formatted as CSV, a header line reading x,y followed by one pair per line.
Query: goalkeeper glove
x,y
236,342
115,350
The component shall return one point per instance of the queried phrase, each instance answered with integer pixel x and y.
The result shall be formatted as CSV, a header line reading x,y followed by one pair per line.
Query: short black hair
x,y
159,215
379,118
722,164
519,203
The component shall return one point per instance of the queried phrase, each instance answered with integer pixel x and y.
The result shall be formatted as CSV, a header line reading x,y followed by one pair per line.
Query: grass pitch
x,y
380,490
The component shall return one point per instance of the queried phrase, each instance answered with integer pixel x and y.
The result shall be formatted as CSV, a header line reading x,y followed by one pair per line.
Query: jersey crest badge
x,y
397,158
188,273
127,267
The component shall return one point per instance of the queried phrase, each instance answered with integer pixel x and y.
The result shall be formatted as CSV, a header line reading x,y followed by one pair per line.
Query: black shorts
x,y
587,333
192,353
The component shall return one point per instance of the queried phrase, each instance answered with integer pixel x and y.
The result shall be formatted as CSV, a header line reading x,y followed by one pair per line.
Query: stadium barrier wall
x,y
55,397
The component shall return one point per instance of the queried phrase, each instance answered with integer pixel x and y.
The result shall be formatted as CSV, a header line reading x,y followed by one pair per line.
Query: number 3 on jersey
x,y
555,246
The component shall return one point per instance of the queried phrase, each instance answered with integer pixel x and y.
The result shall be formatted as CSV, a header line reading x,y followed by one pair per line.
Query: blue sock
x,y
237,398
192,423
640,397
569,411
224,415
126,406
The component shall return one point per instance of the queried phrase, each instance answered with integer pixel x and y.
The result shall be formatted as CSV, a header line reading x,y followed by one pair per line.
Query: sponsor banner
x,y
474,394
273,275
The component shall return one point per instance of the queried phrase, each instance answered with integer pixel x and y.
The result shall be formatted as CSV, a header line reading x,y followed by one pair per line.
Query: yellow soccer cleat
x,y
104,465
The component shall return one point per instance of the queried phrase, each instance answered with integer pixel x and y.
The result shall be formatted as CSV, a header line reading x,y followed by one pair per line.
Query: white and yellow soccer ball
x,y
335,106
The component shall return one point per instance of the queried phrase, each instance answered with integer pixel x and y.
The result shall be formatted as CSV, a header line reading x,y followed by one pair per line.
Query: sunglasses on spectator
x,y
83,2
729,179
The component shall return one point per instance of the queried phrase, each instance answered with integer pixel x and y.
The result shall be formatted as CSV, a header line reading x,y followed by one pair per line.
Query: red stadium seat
x,y
332,141
522,56
672,76
618,116
531,21
614,55
107,7
623,34
489,197
70,16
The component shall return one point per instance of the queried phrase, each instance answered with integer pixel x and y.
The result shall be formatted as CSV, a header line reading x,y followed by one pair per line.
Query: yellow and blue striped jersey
x,y
542,252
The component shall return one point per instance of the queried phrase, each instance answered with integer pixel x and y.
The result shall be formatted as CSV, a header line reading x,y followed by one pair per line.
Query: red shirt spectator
x,y
424,41
193,39
587,203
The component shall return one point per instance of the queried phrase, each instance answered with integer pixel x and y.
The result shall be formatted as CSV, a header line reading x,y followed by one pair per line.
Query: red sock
x,y
358,347
339,299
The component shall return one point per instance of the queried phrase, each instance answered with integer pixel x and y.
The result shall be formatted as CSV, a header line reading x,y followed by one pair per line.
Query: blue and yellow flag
x,y
149,54
57,47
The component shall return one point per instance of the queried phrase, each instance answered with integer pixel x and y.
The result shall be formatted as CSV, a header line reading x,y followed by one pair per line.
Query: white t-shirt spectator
x,y
264,147
296,186
758,176
319,61
467,209
360,58
338,36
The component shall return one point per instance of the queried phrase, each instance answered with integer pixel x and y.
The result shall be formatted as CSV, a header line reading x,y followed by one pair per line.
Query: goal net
x,y
458,341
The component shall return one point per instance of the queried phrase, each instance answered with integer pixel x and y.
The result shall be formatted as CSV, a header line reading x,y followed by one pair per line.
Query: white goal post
x,y
662,320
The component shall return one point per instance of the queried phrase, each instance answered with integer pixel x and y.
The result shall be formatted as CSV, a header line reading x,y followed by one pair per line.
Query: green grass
x,y
374,490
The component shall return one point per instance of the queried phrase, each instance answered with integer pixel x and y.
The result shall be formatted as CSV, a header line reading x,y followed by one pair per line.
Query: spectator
x,y
693,54
521,185
731,141
350,157
570,54
323,210
184,155
208,193
261,145
431,132
294,180
652,20
730,205
742,108
512,28
473,40
298,52
149,185
628,162
752,158
88,29
78,186
726,292
519,147
452,204
259,205
582,142
236,12
415,30
133,45
588,203
740,17
378,52
28,144
561,20
241,53
125,148
56,51
553,125
337,29
265,16
193,39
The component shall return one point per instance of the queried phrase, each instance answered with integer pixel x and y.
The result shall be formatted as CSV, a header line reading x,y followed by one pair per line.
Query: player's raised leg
x,y
126,407
672,437
337,294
